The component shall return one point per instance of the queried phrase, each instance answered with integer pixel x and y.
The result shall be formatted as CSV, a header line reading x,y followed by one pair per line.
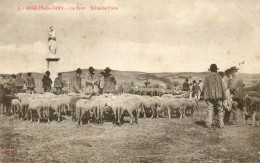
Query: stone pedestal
x,y
53,67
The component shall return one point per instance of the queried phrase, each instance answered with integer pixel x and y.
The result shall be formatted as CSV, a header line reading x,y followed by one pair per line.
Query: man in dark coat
x,y
76,82
109,81
46,82
214,95
59,84
186,86
30,83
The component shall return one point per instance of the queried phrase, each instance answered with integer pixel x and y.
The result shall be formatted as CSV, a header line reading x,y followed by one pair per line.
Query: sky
x,y
147,36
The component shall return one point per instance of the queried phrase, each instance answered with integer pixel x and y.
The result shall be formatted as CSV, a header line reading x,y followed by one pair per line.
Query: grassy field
x,y
152,140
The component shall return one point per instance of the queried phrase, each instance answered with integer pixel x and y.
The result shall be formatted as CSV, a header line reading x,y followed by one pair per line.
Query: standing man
x,y
186,86
19,83
30,83
214,94
201,89
59,84
46,82
101,83
109,81
11,83
91,82
195,89
146,83
236,87
76,82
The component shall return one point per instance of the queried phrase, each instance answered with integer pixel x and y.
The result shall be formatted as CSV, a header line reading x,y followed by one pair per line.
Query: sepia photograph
x,y
107,81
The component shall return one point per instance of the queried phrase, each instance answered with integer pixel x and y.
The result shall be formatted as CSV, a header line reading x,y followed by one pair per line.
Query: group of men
x,y
224,94
17,83
194,88
95,84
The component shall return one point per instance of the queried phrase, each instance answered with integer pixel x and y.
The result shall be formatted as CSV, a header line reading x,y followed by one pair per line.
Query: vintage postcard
x,y
129,81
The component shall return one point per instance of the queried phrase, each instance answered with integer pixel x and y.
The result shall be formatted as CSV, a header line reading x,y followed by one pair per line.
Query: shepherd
x,y
91,81
109,81
214,95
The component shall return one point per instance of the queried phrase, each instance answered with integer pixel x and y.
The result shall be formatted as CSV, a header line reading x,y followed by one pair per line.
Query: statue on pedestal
x,y
52,41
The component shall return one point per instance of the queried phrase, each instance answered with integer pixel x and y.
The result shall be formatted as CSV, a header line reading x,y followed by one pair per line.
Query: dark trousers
x,y
19,89
58,90
47,89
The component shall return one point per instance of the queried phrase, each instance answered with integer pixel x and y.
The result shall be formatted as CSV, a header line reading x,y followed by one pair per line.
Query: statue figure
x,y
52,41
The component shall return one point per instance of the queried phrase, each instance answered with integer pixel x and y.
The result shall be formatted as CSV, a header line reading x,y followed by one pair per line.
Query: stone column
x,y
53,67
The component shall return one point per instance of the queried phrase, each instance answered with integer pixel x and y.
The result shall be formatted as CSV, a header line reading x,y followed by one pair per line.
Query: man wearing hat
x,y
195,89
91,82
58,84
186,86
19,83
46,82
76,82
236,87
30,83
214,95
109,81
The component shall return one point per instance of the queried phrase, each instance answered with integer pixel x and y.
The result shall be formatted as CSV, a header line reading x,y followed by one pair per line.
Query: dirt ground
x,y
152,140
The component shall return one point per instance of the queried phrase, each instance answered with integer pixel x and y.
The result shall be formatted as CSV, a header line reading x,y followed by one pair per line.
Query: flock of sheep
x,y
97,108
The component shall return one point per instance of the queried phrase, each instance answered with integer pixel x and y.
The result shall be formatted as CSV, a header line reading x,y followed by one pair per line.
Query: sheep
x,y
83,107
15,106
170,105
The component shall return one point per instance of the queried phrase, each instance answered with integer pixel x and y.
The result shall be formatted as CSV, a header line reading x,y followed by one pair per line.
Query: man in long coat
x,y
91,82
76,82
214,95
46,82
59,84
109,81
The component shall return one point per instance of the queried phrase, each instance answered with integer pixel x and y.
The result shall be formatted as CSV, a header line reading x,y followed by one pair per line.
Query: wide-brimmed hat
x,y
102,72
59,74
79,71
227,71
29,73
91,68
107,69
47,72
233,69
194,81
13,75
213,67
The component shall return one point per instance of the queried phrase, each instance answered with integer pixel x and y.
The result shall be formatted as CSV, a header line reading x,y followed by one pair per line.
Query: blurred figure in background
x,y
59,84
19,83
186,86
30,83
200,94
101,83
